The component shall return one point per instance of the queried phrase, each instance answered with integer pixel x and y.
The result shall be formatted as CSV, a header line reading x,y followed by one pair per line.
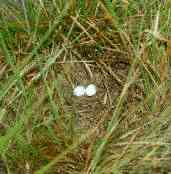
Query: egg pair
x,y
80,90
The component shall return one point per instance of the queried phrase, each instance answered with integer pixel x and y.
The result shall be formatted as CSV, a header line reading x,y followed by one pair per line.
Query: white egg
x,y
90,90
79,91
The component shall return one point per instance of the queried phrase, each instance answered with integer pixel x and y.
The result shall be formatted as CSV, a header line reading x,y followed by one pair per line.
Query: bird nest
x,y
107,76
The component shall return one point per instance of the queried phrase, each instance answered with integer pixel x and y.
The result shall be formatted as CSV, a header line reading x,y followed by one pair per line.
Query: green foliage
x,y
39,126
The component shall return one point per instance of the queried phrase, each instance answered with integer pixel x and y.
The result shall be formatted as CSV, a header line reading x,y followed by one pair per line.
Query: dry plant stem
x,y
83,28
127,44
118,80
126,149
129,143
2,70
107,90
88,159
75,61
82,139
92,25
88,70
147,143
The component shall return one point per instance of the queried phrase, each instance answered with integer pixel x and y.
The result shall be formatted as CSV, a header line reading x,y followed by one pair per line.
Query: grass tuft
x,y
49,47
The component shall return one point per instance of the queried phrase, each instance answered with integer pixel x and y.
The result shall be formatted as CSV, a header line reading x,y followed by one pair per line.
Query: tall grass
x,y
38,134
